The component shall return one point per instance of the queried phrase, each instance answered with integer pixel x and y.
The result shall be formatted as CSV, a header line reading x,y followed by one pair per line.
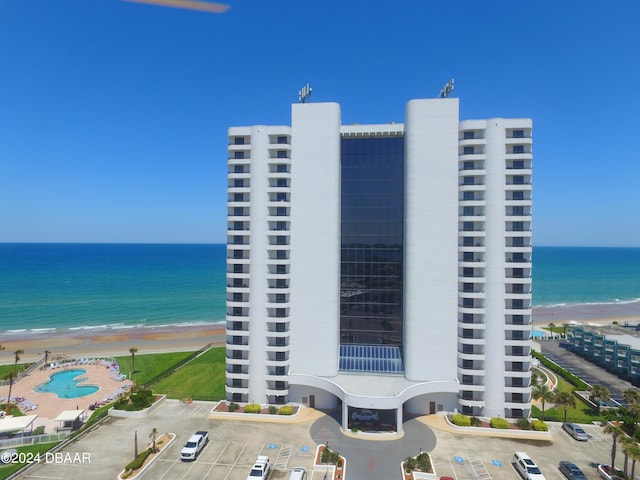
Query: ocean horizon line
x,y
70,242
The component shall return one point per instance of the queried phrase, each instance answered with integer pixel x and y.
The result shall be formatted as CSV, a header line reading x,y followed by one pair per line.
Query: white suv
x,y
526,467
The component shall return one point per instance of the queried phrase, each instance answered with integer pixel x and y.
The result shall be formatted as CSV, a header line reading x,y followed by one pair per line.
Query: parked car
x,y
571,471
298,473
526,467
365,416
575,431
260,469
194,446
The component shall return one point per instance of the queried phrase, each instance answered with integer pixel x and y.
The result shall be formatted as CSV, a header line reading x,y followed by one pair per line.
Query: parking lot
x,y
234,445
590,372
473,457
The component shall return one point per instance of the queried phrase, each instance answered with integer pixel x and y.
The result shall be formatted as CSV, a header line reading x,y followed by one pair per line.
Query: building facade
x,y
618,353
381,267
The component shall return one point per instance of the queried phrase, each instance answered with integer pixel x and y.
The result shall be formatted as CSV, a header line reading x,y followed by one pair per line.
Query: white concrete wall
x,y
315,238
258,265
431,239
323,398
495,273
420,405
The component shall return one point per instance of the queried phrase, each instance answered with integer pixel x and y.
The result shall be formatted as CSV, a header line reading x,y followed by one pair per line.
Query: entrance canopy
x,y
11,424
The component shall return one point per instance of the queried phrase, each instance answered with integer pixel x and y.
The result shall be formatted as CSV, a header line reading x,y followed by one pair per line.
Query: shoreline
x,y
112,342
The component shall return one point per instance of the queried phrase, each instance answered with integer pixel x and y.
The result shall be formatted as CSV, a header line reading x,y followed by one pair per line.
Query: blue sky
x,y
114,115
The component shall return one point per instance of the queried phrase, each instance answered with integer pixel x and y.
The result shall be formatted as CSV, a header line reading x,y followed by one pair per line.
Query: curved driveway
x,y
373,459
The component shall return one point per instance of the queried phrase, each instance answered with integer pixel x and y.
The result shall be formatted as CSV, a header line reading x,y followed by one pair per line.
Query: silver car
x,y
575,431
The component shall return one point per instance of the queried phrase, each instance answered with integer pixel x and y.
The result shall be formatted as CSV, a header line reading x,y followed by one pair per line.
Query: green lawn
x,y
5,370
31,451
150,365
201,379
580,414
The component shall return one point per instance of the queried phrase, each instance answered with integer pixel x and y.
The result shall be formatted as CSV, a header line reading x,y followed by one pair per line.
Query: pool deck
x,y
49,405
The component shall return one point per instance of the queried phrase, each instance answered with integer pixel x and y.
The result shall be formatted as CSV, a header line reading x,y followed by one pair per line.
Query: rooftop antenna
x,y
447,89
304,93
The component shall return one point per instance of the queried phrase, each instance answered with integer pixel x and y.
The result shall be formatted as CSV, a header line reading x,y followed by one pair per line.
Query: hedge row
x,y
567,375
139,460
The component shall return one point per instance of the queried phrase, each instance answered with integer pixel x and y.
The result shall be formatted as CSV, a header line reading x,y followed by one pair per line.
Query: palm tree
x,y
535,377
632,397
17,354
46,357
153,434
627,446
615,431
634,453
133,351
542,393
566,399
10,378
597,393
551,326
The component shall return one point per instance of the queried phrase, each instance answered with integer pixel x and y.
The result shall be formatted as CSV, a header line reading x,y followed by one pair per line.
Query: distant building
x,y
617,352
381,266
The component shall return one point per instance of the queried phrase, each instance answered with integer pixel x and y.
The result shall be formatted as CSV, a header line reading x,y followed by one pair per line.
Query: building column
x,y
345,416
399,420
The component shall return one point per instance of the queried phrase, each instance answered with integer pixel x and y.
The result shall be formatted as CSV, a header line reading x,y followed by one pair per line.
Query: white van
x,y
526,467
298,473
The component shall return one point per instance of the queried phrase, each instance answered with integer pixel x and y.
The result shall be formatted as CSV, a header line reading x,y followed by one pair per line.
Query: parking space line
x,y
479,469
168,469
236,461
558,472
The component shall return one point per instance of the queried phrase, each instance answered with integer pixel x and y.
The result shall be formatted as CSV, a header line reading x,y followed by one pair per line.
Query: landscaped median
x,y
254,411
330,461
442,421
136,467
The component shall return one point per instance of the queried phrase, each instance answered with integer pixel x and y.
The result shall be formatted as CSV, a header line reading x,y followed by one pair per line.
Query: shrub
x,y
233,406
329,456
139,460
539,426
252,408
476,422
272,409
409,464
286,410
523,424
497,422
461,420
423,462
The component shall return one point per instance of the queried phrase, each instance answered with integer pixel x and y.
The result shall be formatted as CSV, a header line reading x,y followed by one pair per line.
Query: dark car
x,y
571,471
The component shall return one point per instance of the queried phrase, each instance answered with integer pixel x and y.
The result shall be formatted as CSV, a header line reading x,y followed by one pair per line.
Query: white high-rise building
x,y
381,266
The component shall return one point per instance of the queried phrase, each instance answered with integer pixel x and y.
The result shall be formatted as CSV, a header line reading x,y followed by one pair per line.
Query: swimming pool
x,y
65,385
539,334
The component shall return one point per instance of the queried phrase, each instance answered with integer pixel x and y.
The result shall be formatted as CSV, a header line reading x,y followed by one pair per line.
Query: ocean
x,y
84,287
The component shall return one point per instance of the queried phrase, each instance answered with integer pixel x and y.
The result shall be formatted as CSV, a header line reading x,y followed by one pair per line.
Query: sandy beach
x,y
111,343
117,342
